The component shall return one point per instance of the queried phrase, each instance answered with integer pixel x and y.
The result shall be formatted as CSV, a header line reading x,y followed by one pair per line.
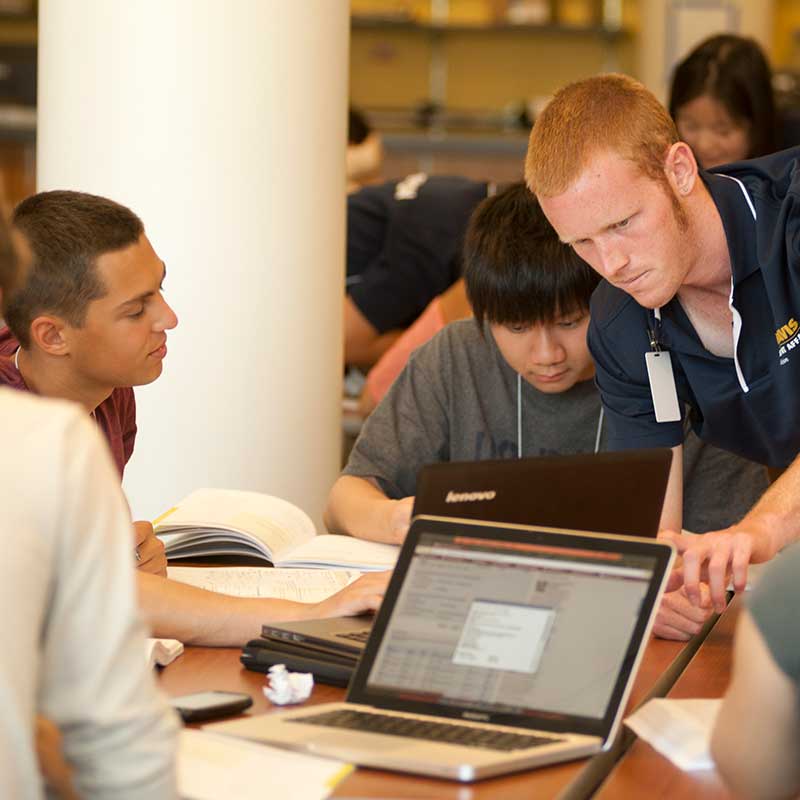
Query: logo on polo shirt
x,y
470,497
788,338
787,330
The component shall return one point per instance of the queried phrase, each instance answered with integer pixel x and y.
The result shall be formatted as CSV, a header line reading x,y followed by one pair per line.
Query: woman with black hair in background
x,y
722,101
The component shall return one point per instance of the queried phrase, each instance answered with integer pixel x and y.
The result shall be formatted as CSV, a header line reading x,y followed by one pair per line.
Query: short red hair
x,y
607,112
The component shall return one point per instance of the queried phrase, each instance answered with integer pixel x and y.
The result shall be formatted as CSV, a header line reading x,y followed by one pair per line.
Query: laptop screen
x,y
512,628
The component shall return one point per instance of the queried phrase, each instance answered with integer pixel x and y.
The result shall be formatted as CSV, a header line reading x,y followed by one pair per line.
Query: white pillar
x,y
223,126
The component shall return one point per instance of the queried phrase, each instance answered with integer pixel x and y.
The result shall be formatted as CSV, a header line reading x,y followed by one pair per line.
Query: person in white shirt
x,y
73,648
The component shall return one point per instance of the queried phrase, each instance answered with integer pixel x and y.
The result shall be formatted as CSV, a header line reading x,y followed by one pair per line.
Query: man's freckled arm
x,y
775,519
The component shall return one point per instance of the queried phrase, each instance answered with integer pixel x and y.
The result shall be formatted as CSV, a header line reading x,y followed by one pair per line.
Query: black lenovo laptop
x,y
607,492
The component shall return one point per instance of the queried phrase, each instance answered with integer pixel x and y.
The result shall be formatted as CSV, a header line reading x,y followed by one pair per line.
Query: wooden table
x,y
200,669
707,675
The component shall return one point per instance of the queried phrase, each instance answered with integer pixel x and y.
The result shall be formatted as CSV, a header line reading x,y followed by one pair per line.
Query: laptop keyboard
x,y
432,731
355,636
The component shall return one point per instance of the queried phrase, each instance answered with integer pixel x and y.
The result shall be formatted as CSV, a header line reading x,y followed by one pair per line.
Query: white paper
x,y
215,767
301,585
162,651
330,550
678,729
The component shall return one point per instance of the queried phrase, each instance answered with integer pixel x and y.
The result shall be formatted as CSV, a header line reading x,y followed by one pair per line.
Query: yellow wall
x,y
490,69
494,69
786,44
486,69
388,68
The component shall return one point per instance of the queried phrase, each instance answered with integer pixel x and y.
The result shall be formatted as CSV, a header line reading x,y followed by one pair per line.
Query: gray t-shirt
x,y
773,606
456,400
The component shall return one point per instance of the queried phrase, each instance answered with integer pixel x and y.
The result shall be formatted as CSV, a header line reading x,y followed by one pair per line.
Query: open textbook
x,y
225,522
211,766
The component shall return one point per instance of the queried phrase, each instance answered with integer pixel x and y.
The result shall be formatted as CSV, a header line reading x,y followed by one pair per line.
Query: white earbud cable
x,y
599,431
519,415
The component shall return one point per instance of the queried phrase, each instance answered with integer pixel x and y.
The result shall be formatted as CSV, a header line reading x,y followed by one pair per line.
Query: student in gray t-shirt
x,y
515,381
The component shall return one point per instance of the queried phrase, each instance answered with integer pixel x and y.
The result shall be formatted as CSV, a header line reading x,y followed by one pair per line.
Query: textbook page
x,y
216,767
333,550
226,521
302,585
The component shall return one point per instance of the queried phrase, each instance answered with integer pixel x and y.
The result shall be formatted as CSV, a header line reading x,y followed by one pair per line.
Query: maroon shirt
x,y
116,415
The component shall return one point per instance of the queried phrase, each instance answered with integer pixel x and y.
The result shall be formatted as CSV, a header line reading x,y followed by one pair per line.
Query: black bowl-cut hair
x,y
517,271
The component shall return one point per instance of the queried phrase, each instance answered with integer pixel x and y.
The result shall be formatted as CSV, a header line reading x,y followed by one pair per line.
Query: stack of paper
x,y
301,585
678,729
215,767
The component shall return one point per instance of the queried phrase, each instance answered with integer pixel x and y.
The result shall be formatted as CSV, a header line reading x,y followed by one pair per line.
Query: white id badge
x,y
662,386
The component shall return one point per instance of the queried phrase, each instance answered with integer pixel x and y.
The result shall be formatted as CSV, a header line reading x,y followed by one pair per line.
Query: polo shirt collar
x,y
733,203
730,196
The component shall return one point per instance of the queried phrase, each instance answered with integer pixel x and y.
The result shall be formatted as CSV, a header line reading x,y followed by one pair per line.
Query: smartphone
x,y
202,706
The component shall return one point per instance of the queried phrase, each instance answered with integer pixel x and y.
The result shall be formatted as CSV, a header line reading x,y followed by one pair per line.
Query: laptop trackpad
x,y
339,741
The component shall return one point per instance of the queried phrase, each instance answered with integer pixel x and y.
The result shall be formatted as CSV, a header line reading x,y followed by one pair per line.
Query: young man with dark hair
x,y
516,381
72,673
91,322
701,267
53,348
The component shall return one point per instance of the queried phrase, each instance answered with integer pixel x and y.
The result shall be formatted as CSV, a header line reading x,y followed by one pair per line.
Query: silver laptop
x,y
497,648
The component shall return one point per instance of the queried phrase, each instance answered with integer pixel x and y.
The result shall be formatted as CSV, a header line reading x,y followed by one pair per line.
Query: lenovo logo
x,y
470,497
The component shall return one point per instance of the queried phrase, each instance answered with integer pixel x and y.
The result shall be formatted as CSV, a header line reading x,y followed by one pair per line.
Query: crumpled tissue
x,y
286,688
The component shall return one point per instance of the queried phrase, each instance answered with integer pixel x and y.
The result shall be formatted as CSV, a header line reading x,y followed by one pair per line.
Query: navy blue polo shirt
x,y
404,241
750,404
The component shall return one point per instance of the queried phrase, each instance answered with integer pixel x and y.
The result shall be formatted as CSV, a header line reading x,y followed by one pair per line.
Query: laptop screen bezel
x,y
360,692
